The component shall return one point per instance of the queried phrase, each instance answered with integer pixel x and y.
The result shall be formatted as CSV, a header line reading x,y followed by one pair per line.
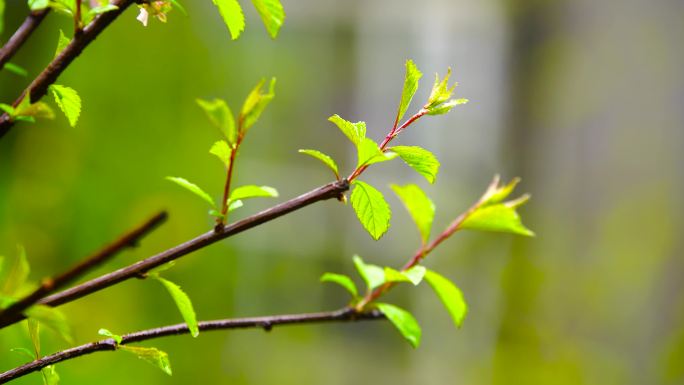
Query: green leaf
x,y
107,333
34,335
419,159
193,188
392,275
369,153
255,103
341,280
235,205
373,275
51,318
356,132
500,217
2,15
440,91
68,101
35,110
403,321
24,351
36,5
420,207
62,43
50,376
450,295
232,15
223,151
496,193
371,208
410,87
328,161
413,275
221,117
15,69
446,107
153,356
102,9
182,302
16,276
253,191
11,111
272,14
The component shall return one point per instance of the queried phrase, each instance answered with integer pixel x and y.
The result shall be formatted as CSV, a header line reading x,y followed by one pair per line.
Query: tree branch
x,y
39,86
267,323
138,269
20,36
50,285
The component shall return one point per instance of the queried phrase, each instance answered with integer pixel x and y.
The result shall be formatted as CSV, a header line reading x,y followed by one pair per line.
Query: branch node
x,y
267,326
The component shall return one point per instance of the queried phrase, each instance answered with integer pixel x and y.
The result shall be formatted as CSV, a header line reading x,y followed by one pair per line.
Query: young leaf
x,y
62,43
392,275
17,274
50,376
328,161
25,352
107,333
234,205
371,209
221,117
420,159
420,207
356,132
369,153
253,191
446,107
34,335
500,217
496,193
193,188
15,69
255,104
341,280
440,91
153,356
403,321
68,101
272,14
373,275
52,319
182,302
35,110
413,275
450,295
410,87
37,5
232,15
11,111
223,151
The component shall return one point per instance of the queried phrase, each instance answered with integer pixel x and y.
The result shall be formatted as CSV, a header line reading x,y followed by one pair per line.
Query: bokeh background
x,y
582,99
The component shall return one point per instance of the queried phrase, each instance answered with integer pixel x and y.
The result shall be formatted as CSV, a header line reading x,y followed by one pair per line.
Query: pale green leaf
x,y
68,101
356,132
410,87
232,15
420,207
153,356
222,151
450,295
50,376
392,275
15,69
11,111
182,302
368,153
52,319
419,159
221,117
104,332
371,208
446,107
440,91
16,275
193,188
25,352
500,217
413,275
35,110
255,103
235,205
36,5
496,193
62,43
341,280
328,161
272,14
252,191
403,321
34,335
373,275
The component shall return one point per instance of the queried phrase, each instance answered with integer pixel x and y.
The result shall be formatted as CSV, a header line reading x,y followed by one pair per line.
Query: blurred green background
x,y
582,99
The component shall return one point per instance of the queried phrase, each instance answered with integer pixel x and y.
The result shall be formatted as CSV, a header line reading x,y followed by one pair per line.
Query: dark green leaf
x,y
221,117
403,321
341,280
356,132
107,333
15,69
182,302
410,87
373,275
420,207
193,188
272,14
232,15
223,151
153,356
450,295
420,159
68,101
255,103
328,161
371,209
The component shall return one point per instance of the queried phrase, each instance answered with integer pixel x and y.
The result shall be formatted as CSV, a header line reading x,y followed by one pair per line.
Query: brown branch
x,y
20,36
39,86
267,323
50,285
138,269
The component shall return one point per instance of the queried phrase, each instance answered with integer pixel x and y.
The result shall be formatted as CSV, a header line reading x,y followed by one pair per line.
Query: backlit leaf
x,y
104,332
373,275
153,356
410,87
369,153
403,321
232,15
419,159
341,280
17,273
222,151
420,207
356,132
501,217
255,103
328,161
15,69
413,275
220,115
272,14
450,295
371,208
193,188
68,101
253,191
183,303
62,43
52,319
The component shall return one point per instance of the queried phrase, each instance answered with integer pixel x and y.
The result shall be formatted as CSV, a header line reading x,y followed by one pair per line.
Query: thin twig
x,y
50,285
138,269
20,36
267,323
39,86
